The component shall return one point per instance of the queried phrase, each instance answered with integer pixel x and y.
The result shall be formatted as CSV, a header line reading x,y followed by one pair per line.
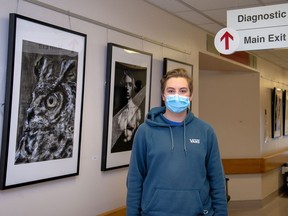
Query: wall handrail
x,y
255,165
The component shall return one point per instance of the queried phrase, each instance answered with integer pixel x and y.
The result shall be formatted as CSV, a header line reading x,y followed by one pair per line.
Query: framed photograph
x,y
285,113
277,112
43,104
127,101
170,64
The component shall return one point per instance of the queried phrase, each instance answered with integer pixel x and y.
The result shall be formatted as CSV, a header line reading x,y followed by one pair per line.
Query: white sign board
x,y
260,27
258,17
265,38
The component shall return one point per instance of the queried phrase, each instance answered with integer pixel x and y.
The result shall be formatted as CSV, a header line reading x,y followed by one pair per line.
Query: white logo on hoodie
x,y
195,141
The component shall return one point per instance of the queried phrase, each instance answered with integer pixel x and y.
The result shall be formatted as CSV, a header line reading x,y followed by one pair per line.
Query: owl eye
x,y
51,101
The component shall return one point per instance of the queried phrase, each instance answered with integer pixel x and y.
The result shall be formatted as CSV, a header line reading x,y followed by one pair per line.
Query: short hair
x,y
178,72
128,74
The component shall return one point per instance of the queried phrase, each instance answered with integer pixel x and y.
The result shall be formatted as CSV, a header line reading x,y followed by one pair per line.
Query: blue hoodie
x,y
175,170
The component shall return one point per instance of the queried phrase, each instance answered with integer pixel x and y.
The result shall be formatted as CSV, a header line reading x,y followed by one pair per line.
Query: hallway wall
x,y
239,100
93,191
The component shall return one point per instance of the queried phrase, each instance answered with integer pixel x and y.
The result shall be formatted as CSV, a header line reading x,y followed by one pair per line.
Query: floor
x,y
276,207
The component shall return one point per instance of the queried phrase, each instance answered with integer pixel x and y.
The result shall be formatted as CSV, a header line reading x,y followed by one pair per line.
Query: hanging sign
x,y
226,41
260,27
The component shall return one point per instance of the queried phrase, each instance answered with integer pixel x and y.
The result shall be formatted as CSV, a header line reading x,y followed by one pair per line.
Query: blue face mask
x,y
177,103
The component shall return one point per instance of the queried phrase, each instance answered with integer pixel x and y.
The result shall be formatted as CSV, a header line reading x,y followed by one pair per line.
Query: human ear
x,y
191,97
163,97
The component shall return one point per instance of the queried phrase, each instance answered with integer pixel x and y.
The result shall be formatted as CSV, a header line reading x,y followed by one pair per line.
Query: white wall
x,y
271,76
230,102
93,191
234,103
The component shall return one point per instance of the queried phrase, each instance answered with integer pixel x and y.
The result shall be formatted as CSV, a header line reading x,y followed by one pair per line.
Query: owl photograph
x,y
47,104
44,90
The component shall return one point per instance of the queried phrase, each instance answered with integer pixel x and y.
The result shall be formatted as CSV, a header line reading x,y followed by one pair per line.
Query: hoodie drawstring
x,y
184,138
172,139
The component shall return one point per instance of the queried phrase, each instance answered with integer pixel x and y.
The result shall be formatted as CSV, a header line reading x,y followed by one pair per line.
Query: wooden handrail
x,y
254,165
121,211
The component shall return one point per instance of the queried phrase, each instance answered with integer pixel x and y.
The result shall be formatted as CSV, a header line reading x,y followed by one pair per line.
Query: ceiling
x,y
211,16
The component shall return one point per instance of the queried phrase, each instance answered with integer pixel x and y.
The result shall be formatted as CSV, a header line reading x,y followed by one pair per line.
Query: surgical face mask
x,y
177,103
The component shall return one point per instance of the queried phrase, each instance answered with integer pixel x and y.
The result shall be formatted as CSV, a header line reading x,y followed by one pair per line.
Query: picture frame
x,y
127,101
285,113
170,64
43,105
277,112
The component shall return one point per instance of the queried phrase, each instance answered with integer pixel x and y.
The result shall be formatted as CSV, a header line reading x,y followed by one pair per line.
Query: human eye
x,y
170,91
183,91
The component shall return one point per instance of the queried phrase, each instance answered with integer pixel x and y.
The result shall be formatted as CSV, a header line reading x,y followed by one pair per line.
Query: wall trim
x,y
121,211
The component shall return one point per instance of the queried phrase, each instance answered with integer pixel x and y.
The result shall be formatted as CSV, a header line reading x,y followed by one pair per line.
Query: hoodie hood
x,y
155,118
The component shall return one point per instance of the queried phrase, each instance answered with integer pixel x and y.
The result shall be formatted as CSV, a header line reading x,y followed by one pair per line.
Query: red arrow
x,y
226,36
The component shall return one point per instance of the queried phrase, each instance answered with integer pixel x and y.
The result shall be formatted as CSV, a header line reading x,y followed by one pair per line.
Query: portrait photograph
x,y
277,112
129,104
127,101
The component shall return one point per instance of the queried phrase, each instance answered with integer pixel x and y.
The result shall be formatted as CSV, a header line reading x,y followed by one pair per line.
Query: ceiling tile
x,y
169,5
212,28
211,5
194,17
219,15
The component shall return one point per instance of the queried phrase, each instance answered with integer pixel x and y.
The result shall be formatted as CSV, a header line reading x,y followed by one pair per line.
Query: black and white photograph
x,y
43,104
277,112
127,101
46,126
285,113
170,64
129,104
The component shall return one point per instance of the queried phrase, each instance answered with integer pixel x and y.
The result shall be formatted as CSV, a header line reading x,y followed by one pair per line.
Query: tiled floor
x,y
276,207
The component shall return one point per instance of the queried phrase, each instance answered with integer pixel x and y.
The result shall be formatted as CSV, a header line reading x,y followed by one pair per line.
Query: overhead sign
x,y
265,38
258,17
260,27
226,41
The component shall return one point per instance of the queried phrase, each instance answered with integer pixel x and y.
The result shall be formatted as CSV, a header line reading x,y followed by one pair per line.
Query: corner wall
x,y
234,102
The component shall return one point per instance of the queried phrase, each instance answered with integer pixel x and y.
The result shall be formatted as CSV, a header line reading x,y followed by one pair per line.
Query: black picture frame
x,y
277,112
170,64
43,104
285,113
131,68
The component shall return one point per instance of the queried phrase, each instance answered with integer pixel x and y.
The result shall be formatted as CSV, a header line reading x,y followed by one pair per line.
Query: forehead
x,y
128,79
176,82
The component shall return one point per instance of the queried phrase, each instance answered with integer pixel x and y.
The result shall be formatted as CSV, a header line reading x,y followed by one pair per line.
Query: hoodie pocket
x,y
178,202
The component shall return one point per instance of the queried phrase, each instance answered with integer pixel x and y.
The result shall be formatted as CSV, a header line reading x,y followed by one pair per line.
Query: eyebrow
x,y
179,88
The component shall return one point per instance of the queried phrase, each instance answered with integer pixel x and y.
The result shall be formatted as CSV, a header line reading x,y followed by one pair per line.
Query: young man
x,y
129,117
175,167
